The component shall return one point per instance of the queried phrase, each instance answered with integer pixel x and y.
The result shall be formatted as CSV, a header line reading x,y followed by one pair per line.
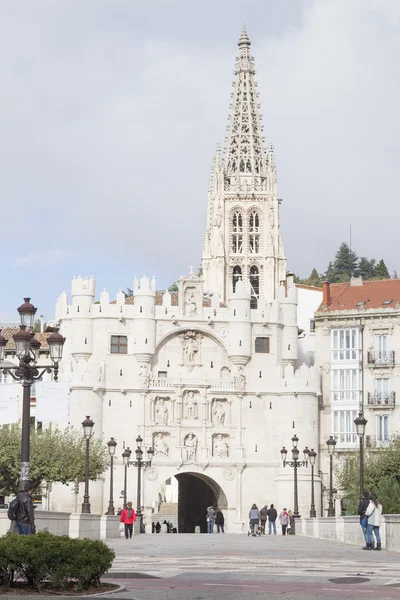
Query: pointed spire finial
x,y
244,38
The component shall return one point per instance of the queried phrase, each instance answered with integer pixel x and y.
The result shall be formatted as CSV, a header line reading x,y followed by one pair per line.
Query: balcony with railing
x,y
380,399
377,441
214,384
377,358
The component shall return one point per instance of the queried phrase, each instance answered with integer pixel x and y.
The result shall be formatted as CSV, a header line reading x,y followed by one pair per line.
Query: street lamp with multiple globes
x,y
125,459
140,464
361,422
112,444
295,463
27,371
87,425
311,457
331,443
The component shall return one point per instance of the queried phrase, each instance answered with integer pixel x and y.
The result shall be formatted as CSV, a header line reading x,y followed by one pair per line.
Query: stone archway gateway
x,y
195,494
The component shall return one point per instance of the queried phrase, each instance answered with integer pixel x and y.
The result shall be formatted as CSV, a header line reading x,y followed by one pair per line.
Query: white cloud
x,y
45,258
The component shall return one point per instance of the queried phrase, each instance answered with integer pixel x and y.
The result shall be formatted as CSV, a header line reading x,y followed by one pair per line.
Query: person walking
x,y
362,507
254,516
210,519
25,521
272,516
220,520
290,527
263,518
284,520
373,514
128,517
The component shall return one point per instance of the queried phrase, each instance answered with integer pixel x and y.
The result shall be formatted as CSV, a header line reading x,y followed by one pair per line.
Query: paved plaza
x,y
215,567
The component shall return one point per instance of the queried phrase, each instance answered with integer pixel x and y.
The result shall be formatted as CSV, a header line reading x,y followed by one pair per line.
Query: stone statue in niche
x,y
218,217
160,445
190,447
191,406
219,412
161,412
221,449
239,378
190,304
191,348
271,216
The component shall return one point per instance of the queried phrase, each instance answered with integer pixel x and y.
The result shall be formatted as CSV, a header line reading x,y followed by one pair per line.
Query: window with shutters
x,y
119,344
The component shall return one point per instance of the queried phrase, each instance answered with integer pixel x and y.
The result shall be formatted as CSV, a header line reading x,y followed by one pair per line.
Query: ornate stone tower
x,y
242,239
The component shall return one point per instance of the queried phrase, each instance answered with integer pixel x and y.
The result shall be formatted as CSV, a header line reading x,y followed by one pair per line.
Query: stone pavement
x,y
161,567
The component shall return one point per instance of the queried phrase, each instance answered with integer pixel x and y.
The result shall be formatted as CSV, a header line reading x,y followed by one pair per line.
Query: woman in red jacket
x,y
128,517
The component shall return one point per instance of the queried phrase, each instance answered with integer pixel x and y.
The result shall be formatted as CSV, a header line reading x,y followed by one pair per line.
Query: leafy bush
x,y
56,560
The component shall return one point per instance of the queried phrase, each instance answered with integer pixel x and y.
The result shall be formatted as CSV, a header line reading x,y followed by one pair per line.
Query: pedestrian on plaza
x,y
219,520
119,511
128,517
210,519
373,514
25,521
263,518
254,516
290,527
362,507
158,527
284,520
272,514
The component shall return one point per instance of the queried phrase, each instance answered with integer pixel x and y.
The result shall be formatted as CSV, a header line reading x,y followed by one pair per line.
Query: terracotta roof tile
x,y
371,294
8,333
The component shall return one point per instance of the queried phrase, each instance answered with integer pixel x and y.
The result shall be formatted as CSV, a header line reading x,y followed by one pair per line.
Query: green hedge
x,y
56,560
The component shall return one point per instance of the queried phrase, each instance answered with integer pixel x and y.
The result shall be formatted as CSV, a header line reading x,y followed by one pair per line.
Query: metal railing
x,y
216,384
381,398
378,358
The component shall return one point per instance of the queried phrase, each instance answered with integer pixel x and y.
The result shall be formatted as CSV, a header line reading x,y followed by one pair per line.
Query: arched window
x,y
254,286
237,233
254,232
237,276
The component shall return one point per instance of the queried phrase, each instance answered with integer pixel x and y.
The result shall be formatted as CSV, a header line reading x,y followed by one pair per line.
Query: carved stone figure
x,y
221,449
191,447
161,414
240,378
191,305
160,445
219,413
191,348
191,406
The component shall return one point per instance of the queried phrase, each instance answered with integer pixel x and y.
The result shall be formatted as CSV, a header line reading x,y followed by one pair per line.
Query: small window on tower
x,y
262,345
119,344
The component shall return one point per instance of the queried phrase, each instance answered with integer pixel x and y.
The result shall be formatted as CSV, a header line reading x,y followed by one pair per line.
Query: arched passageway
x,y
196,493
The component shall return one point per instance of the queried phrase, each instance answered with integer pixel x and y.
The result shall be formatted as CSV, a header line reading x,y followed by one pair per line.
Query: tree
x,y
346,261
314,279
381,271
366,268
56,456
173,287
37,326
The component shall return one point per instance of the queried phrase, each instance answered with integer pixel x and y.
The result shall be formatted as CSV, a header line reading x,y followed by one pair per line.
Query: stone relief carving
x,y
151,474
160,445
190,444
191,406
191,348
144,374
220,446
161,411
219,412
229,474
190,303
239,378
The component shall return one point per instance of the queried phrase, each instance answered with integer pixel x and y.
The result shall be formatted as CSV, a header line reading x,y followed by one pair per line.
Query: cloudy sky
x,y
110,111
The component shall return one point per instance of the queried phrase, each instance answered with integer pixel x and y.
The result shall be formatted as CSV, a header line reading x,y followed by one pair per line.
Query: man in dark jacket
x,y
219,520
362,507
272,516
25,521
263,518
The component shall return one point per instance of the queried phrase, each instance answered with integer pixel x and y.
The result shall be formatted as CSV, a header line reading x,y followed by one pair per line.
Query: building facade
x,y
207,375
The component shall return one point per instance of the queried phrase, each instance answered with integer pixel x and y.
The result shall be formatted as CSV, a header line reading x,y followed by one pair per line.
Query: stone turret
x,y
288,301
239,347
81,314
144,323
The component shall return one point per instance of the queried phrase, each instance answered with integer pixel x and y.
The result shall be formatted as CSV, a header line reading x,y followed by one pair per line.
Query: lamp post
x,y
87,425
361,422
295,463
112,444
311,457
140,464
125,459
27,371
331,443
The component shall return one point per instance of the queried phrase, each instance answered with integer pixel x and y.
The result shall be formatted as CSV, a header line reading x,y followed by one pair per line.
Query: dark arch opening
x,y
237,275
255,286
196,493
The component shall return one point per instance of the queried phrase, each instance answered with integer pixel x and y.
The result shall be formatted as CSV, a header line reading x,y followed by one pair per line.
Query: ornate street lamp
x,y
87,425
112,444
361,422
28,371
331,443
140,464
311,457
125,459
295,463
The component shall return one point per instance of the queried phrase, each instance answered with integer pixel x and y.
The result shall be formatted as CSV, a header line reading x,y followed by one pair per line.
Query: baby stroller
x,y
256,526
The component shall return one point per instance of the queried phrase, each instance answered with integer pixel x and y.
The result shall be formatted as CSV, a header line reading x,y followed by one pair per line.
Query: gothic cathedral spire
x,y
242,239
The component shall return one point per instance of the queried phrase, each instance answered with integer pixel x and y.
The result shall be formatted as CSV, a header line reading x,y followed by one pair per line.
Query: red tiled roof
x,y
373,294
8,333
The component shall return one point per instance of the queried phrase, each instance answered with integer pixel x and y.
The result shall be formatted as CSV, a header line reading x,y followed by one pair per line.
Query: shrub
x,y
56,560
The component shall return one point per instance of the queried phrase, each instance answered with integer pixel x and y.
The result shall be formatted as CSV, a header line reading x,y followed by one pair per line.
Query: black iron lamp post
x,y
140,464
87,425
361,422
112,444
331,443
27,371
125,459
311,457
295,463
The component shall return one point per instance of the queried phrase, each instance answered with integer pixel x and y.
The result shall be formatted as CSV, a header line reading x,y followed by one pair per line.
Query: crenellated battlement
x,y
83,286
